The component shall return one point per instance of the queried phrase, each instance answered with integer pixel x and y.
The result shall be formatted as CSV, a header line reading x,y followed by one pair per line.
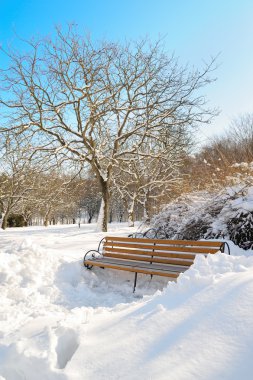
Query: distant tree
x,y
151,173
90,197
56,196
19,175
215,164
117,206
240,135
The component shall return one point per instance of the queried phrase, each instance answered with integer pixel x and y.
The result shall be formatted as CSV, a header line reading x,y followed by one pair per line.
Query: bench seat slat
x,y
200,243
149,258
160,248
142,264
140,269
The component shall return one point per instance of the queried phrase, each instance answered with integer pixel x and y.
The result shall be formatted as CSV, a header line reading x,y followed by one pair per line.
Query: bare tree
x,y
19,174
56,194
89,197
99,102
148,176
216,162
117,207
240,135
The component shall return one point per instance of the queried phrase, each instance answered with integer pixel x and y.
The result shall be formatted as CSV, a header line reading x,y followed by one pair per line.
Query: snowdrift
x,y
60,321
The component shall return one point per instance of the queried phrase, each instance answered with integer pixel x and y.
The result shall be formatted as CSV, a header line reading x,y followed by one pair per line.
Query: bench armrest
x,y
91,255
224,244
100,245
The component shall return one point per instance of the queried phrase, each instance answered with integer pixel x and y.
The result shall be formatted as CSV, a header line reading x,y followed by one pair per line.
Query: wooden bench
x,y
157,257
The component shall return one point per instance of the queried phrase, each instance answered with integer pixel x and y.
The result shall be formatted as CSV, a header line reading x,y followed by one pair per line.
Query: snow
x,y
59,320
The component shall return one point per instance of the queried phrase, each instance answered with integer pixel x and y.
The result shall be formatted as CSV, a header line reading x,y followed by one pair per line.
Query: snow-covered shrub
x,y
178,217
195,228
240,230
226,215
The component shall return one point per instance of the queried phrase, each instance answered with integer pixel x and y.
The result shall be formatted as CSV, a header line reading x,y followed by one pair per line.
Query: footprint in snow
x,y
67,345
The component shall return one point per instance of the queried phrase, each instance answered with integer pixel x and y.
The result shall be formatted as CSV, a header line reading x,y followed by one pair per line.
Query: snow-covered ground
x,y
59,320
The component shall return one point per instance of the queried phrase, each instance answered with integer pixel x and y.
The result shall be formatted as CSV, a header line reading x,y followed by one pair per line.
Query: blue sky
x,y
194,30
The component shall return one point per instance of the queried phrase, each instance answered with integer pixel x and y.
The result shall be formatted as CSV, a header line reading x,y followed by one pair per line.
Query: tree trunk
x,y
130,218
131,213
47,217
103,213
5,216
4,221
146,215
46,222
110,218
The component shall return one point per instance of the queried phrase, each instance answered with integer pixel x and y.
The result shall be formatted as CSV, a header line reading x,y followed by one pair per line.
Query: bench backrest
x,y
177,252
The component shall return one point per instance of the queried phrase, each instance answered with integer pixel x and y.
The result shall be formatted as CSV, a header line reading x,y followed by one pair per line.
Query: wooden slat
x,y
149,253
143,265
206,243
161,248
133,269
148,259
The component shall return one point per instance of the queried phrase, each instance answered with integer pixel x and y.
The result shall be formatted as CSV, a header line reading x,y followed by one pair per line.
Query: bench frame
x,y
160,257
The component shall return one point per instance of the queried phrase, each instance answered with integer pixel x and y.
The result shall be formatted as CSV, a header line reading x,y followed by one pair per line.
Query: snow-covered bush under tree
x,y
227,215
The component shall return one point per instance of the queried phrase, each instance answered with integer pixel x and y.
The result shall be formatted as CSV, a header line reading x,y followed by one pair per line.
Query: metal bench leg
x,y
135,280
